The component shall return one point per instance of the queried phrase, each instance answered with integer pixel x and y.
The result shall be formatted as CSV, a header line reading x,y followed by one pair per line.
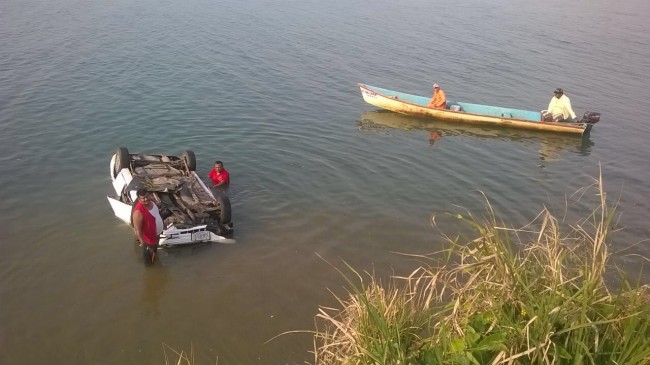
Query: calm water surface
x,y
318,176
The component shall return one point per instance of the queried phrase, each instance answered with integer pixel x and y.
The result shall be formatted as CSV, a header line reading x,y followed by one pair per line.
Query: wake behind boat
x,y
463,112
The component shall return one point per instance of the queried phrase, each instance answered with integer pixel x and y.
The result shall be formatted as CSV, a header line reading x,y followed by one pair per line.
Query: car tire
x,y
122,160
190,159
223,203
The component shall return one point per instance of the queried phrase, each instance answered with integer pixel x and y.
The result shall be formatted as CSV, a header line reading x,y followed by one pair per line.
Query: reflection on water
x,y
585,145
183,251
551,145
434,136
551,152
155,280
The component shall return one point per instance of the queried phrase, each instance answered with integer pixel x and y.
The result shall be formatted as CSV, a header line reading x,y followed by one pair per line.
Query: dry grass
x,y
534,295
181,357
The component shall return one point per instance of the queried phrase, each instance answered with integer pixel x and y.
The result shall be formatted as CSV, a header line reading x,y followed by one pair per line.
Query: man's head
x,y
436,86
558,93
143,195
218,165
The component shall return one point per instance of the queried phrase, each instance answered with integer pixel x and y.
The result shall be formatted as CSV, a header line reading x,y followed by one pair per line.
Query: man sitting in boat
x,y
560,108
439,99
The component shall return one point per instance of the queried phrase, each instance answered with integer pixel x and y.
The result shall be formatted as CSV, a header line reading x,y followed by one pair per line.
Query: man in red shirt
x,y
147,223
219,175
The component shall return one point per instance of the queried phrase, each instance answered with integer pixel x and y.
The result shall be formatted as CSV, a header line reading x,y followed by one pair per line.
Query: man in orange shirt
x,y
439,99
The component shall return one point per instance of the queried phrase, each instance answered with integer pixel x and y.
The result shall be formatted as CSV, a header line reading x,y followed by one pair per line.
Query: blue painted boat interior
x,y
495,111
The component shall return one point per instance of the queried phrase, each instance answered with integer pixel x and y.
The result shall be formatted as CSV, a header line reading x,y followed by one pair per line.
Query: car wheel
x,y
190,160
223,203
122,160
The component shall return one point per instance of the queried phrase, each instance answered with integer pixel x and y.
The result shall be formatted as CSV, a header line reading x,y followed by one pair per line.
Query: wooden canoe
x,y
466,112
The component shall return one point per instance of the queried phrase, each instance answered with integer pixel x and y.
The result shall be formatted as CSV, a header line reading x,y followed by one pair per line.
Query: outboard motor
x,y
590,117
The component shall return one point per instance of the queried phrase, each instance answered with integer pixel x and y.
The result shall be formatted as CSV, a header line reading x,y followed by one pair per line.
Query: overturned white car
x,y
191,212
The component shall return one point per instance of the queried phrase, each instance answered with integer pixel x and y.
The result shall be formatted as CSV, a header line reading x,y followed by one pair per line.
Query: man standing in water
x,y
148,224
219,176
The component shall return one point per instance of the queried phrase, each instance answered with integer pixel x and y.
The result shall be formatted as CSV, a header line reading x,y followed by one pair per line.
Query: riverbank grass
x,y
528,296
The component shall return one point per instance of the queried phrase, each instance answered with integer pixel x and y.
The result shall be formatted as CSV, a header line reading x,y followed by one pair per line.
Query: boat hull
x,y
416,106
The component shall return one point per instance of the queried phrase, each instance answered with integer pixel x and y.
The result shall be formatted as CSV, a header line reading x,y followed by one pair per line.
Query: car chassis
x,y
191,212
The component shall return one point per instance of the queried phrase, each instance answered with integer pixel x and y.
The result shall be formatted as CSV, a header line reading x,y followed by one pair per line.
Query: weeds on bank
x,y
180,358
529,296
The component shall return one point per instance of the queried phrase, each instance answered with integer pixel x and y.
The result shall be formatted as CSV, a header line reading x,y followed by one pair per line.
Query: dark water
x,y
318,176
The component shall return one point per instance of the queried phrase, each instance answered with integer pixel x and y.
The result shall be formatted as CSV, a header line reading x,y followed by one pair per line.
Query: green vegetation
x,y
527,296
